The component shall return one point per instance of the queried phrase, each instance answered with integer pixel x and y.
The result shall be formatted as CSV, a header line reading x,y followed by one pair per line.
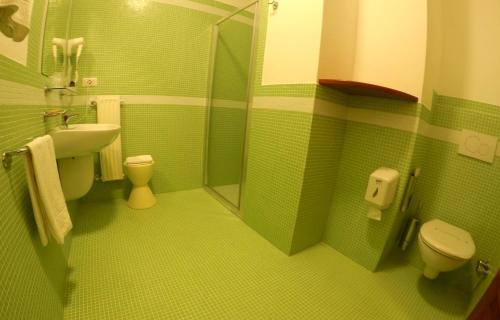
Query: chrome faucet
x,y
67,117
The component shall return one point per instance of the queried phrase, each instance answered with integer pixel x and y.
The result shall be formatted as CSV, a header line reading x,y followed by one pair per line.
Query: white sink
x,y
83,139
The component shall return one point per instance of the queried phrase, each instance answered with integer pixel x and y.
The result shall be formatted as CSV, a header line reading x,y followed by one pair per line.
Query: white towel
x,y
139,159
49,207
15,18
108,111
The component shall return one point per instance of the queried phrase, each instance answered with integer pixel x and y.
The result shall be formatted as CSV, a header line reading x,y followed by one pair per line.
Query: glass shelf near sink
x,y
63,91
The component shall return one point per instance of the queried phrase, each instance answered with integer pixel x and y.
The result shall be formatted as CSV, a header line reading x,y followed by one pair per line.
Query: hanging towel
x,y
49,207
15,18
108,111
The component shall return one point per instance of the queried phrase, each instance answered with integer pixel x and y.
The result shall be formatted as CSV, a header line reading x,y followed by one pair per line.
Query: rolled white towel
x,y
139,159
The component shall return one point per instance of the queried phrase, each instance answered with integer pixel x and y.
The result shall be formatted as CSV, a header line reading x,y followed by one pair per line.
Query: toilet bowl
x,y
444,247
139,171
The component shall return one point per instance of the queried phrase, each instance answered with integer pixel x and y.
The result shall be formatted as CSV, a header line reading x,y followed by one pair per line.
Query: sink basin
x,y
83,139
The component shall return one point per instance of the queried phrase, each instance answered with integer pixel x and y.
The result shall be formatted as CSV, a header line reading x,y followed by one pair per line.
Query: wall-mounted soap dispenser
x,y
381,190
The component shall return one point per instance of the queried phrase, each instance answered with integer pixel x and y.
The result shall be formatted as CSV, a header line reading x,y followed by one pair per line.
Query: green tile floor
x,y
189,258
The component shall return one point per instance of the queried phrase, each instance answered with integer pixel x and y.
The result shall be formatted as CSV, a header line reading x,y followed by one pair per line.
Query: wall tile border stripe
x,y
231,104
409,123
13,93
298,104
147,99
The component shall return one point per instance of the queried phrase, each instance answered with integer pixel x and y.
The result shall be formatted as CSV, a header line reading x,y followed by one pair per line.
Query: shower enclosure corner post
x,y
211,67
250,93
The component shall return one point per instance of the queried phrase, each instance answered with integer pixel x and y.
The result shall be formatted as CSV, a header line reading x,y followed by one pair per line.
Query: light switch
x,y
477,145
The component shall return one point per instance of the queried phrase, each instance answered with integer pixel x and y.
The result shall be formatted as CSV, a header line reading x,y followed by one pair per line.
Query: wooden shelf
x,y
366,89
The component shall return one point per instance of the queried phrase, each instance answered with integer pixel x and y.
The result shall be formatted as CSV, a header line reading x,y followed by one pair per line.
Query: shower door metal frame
x,y
250,88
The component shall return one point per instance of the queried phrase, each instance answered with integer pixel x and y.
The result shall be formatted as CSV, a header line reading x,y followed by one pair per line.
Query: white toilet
x,y
140,170
443,247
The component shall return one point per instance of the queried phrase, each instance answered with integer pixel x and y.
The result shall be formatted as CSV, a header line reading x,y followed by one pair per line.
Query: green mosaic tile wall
x,y
32,277
456,113
348,230
173,43
173,135
325,147
225,146
461,190
58,13
232,61
156,49
277,155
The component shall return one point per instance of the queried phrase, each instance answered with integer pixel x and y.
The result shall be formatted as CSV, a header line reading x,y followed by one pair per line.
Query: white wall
x,y
470,64
293,42
434,50
338,40
391,44
380,42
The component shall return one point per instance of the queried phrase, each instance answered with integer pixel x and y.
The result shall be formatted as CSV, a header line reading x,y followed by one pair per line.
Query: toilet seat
x,y
438,251
447,239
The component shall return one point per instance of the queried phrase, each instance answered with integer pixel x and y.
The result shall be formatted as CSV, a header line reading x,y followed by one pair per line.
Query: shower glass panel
x,y
232,49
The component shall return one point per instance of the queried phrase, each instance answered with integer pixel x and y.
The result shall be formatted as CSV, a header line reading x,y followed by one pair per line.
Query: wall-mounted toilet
x,y
139,171
444,247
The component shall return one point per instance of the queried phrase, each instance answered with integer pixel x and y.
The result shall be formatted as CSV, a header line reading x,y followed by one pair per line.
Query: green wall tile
x,y
226,145
325,147
455,113
462,191
232,61
58,13
157,50
366,148
277,156
173,135
385,105
32,276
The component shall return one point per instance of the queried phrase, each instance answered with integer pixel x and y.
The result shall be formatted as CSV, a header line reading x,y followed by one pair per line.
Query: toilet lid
x,y
448,239
144,159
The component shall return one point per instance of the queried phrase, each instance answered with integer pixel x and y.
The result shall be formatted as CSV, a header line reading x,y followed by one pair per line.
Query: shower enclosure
x,y
229,93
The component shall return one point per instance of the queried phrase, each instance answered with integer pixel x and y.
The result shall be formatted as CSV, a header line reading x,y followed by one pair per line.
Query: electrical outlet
x,y
89,82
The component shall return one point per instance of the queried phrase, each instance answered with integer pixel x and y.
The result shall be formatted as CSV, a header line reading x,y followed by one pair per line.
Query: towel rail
x,y
7,156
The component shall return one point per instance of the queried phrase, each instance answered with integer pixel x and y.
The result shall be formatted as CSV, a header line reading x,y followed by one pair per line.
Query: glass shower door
x,y
228,105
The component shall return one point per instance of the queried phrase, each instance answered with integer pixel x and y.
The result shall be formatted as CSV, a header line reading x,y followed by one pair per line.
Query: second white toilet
x,y
140,170
444,247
